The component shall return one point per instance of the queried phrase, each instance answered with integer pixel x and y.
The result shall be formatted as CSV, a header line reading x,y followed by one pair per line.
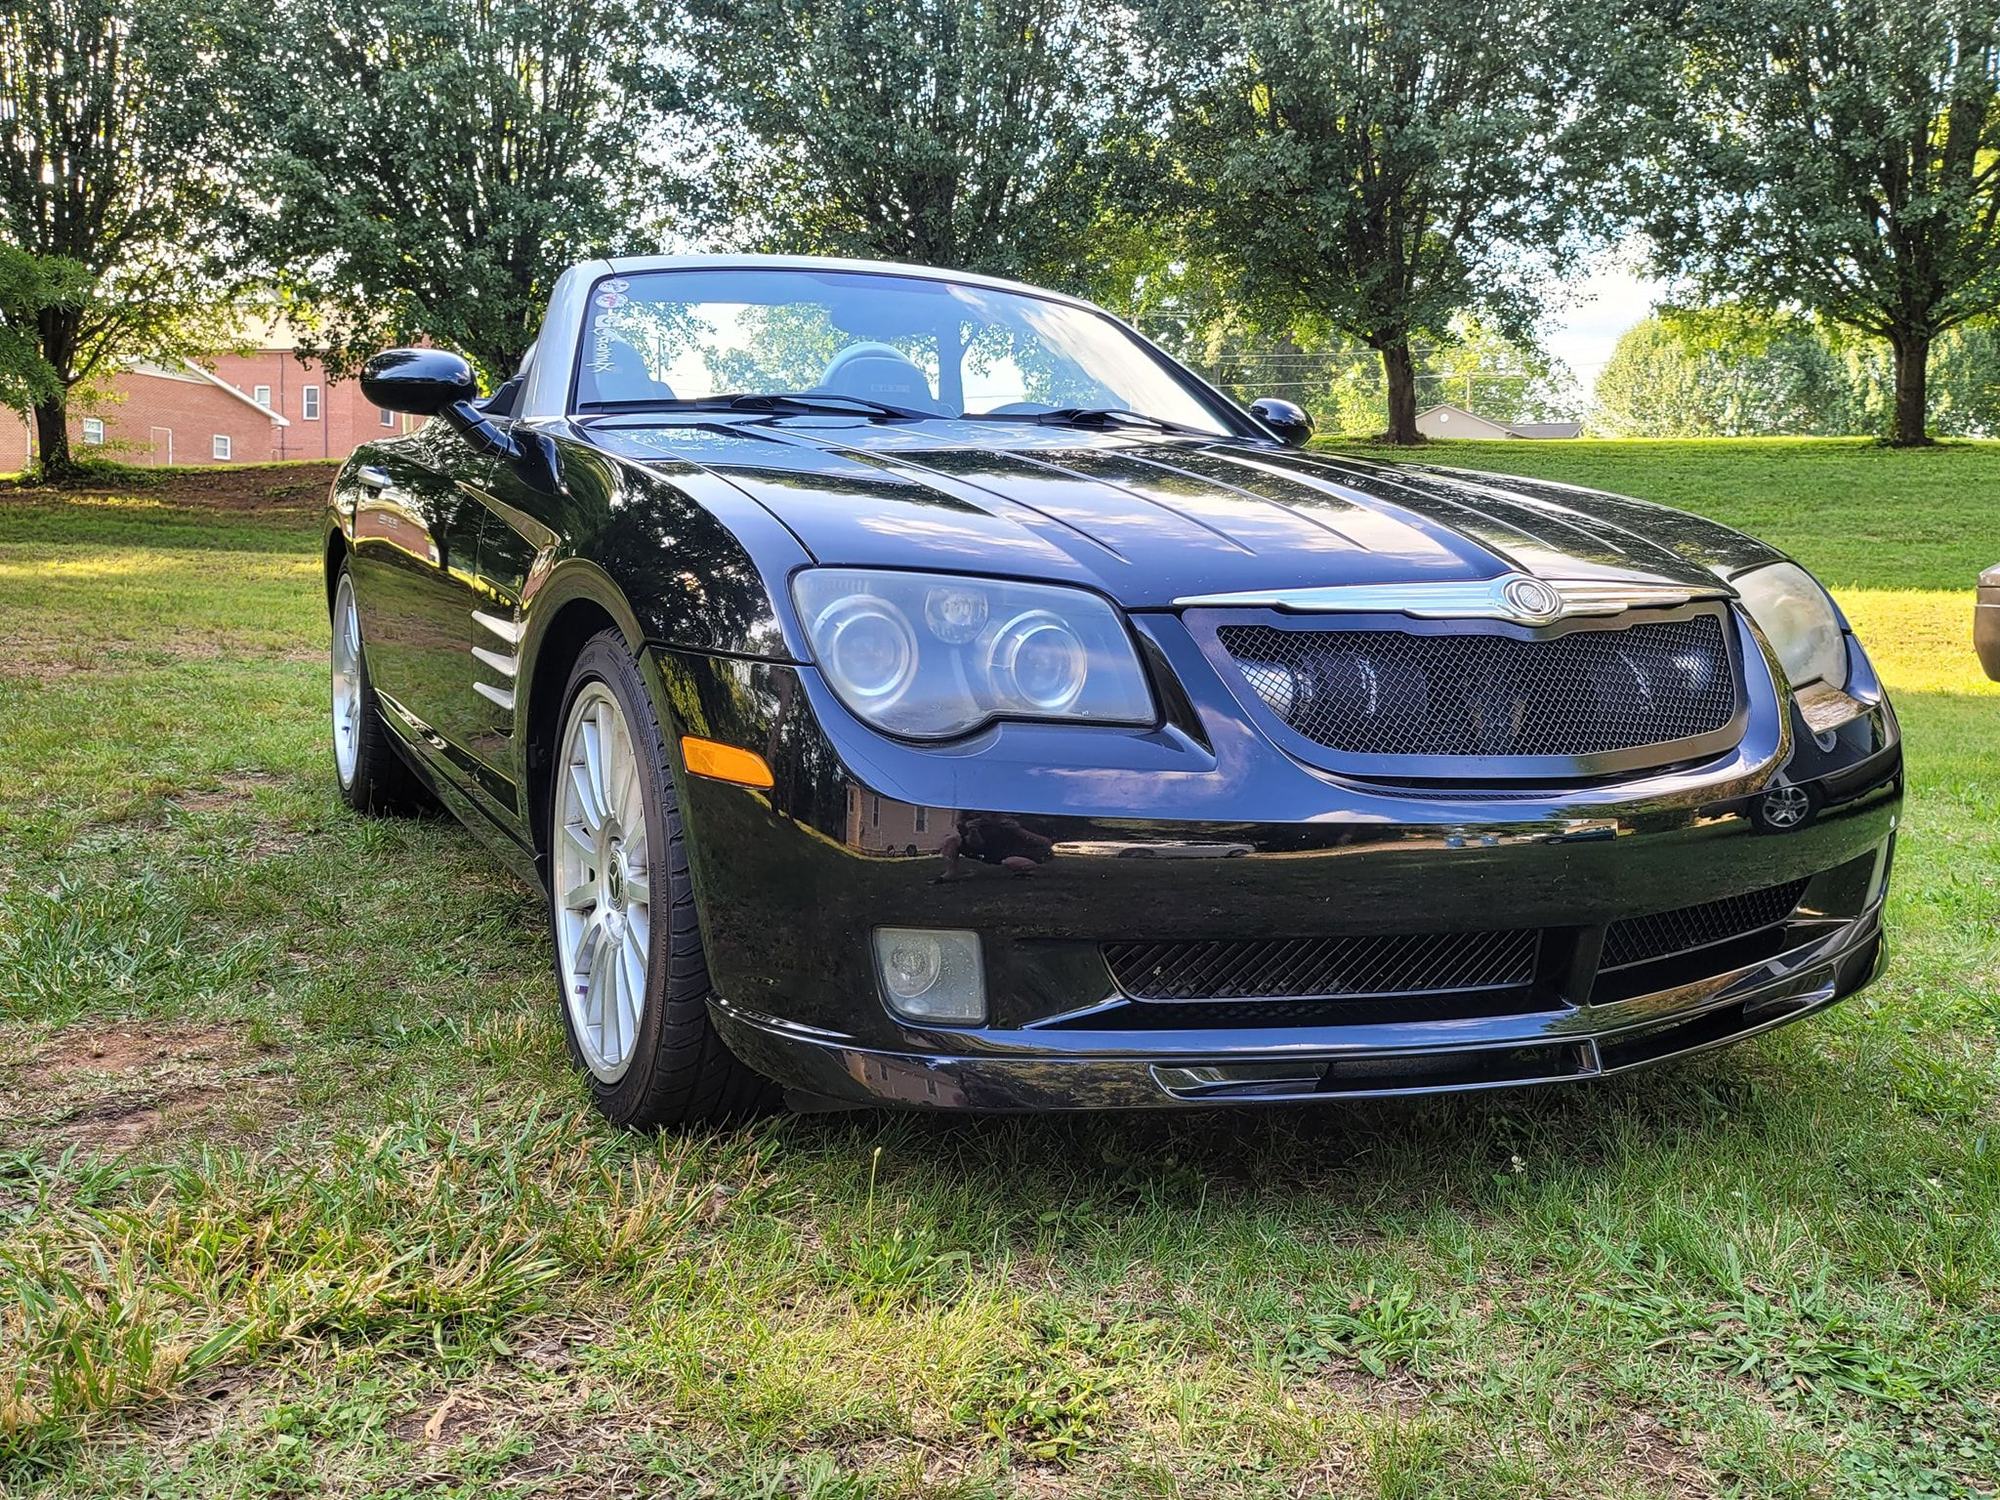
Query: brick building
x,y
234,408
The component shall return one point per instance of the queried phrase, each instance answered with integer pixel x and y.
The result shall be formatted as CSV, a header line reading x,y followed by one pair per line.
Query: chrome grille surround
x,y
1395,697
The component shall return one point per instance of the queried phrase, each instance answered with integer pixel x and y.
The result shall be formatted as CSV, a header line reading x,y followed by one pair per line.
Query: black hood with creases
x,y
1149,519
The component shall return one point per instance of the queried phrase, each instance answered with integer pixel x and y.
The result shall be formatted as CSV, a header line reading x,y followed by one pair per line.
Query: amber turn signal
x,y
723,762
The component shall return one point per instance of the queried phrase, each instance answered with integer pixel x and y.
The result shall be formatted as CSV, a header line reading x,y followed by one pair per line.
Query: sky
x,y
1583,331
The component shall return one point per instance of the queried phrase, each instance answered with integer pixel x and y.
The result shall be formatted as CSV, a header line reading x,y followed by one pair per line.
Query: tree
x,y
1341,382
435,164
1962,387
1723,374
30,286
1383,165
1841,156
973,134
116,161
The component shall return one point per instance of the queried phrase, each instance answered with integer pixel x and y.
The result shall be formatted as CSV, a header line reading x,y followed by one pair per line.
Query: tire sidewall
x,y
609,664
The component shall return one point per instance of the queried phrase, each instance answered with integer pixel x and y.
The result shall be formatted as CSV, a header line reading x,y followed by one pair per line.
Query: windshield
x,y
935,347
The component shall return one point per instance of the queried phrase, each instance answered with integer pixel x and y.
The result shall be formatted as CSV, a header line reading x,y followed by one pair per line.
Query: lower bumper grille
x,y
1638,940
1324,968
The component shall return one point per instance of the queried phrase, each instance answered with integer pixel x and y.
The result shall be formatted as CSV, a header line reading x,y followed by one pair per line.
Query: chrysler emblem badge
x,y
1530,601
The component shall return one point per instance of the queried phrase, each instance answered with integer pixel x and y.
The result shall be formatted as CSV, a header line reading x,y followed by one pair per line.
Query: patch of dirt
x,y
227,792
27,668
290,486
127,1048
110,1088
1657,1453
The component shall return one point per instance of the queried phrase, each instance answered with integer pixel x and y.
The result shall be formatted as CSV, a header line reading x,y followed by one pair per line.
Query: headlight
x,y
930,656
1799,620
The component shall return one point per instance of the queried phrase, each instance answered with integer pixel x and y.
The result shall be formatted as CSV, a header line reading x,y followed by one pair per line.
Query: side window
x,y
309,403
220,446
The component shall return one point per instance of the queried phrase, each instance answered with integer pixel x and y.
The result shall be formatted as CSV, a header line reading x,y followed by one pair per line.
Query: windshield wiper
x,y
779,403
1090,416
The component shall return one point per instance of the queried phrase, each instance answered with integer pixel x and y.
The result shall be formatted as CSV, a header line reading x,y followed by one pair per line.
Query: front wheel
x,y
628,950
372,776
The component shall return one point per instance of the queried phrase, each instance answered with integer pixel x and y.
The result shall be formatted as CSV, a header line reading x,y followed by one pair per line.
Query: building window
x,y
220,446
309,399
261,394
388,417
874,811
923,820
93,429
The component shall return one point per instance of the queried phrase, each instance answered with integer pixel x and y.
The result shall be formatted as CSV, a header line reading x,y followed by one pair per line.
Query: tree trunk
x,y
1401,372
1913,354
52,454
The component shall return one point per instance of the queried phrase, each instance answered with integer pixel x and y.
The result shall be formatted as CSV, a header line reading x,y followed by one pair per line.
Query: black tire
x,y
680,1073
382,783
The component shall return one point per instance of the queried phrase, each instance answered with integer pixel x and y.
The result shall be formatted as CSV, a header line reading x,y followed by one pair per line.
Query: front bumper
x,y
1056,843
1084,1070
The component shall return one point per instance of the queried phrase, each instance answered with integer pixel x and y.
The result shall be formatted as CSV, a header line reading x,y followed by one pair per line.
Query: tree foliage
x,y
1722,376
1726,372
1341,382
976,134
30,286
436,164
1841,156
1381,166
117,161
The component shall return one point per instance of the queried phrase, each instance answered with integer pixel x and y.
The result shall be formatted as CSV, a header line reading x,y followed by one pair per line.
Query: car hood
x,y
1150,519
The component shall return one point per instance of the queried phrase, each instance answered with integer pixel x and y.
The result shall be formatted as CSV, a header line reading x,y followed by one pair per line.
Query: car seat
x,y
878,372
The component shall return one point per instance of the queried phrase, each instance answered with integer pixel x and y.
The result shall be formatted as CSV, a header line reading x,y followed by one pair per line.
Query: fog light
x,y
932,974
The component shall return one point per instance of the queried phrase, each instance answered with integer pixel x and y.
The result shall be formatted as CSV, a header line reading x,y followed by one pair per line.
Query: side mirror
x,y
438,383
1288,421
423,382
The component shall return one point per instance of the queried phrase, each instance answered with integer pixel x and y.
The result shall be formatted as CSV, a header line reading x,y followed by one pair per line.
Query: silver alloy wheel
x,y
603,882
346,682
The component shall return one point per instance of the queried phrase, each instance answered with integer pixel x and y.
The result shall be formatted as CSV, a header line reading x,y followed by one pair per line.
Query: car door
x,y
417,517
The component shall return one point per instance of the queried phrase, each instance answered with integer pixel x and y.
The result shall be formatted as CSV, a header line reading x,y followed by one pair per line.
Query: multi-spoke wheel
x,y
604,926
628,949
372,776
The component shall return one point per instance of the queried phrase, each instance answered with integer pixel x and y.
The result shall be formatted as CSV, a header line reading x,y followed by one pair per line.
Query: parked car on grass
x,y
1986,622
910,687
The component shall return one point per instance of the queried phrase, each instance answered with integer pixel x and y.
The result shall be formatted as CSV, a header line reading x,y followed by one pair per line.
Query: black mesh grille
x,y
1638,939
1323,968
1393,692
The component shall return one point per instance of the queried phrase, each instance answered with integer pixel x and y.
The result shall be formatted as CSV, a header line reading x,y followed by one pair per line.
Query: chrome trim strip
x,y
499,695
506,666
509,631
1512,596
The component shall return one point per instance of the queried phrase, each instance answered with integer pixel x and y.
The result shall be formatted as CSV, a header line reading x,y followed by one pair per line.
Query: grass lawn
x,y
297,1195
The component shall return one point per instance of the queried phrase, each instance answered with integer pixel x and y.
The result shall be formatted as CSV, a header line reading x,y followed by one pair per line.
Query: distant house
x,y
252,407
1457,422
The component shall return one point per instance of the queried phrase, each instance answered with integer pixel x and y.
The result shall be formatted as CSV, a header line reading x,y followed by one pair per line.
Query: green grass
x,y
1855,511
297,1195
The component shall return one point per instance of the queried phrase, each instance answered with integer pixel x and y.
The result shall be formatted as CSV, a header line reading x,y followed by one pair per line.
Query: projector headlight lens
x,y
868,649
1038,662
928,656
1799,620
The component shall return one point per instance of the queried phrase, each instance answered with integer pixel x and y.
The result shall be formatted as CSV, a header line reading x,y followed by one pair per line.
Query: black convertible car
x,y
914,688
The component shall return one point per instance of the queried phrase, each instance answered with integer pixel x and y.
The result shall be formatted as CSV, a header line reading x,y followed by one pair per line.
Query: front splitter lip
x,y
1196,1068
